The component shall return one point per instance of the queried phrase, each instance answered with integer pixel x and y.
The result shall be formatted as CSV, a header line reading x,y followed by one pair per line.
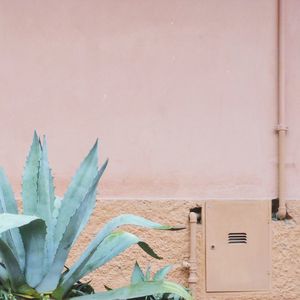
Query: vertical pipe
x,y
281,128
193,254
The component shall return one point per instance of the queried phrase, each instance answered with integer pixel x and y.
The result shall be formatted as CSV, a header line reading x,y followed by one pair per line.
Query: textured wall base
x,y
174,248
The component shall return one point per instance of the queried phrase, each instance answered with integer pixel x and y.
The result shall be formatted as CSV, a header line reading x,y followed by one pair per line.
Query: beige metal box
x,y
238,245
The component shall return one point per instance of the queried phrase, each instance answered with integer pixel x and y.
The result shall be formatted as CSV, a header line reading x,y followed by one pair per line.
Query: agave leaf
x,y
24,296
137,274
13,239
8,204
3,275
77,190
162,273
34,238
57,206
51,280
46,197
30,177
25,291
10,221
148,250
14,272
112,245
51,183
108,229
55,212
45,203
140,289
90,205
148,273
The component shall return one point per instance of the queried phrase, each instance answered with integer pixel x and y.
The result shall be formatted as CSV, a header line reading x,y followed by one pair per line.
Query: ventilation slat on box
x,y
237,238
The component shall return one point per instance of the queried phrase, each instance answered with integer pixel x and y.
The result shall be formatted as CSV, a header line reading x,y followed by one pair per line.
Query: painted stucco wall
x,y
181,94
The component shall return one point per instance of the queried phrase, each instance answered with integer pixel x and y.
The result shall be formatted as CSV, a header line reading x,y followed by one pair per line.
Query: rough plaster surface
x,y
174,247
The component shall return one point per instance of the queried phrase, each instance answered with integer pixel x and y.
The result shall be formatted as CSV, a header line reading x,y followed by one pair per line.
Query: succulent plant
x,y
139,276
34,245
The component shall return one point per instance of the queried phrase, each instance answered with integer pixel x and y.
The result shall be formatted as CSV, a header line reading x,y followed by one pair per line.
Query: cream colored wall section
x,y
181,94
174,248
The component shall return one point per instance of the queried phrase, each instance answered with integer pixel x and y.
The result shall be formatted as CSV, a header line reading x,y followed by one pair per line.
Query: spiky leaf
x,y
30,177
3,275
162,273
148,273
76,191
137,274
8,204
46,197
91,204
14,272
141,289
108,229
50,281
34,238
10,221
8,201
45,204
112,245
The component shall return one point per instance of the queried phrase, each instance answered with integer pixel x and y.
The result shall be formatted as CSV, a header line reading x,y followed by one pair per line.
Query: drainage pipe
x,y
281,127
193,254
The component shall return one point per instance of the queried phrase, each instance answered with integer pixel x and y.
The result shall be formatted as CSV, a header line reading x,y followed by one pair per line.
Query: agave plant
x,y
34,246
139,276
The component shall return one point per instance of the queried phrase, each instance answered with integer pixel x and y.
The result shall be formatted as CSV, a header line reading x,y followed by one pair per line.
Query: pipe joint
x,y
186,264
281,127
281,214
192,279
193,217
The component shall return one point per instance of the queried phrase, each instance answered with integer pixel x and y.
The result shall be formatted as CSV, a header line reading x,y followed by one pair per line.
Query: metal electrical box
x,y
238,246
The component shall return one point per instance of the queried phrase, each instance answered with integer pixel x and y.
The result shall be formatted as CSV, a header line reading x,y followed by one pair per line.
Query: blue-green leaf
x,y
51,279
137,274
10,221
162,273
34,238
77,190
90,205
112,245
108,229
8,201
148,273
8,204
30,177
45,204
3,274
46,197
14,272
141,289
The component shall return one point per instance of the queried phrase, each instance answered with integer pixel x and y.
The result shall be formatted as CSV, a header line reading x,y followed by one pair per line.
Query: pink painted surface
x,y
182,95
293,98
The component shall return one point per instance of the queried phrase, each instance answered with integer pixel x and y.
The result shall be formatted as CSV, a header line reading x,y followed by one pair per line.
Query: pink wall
x,y
293,98
182,94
